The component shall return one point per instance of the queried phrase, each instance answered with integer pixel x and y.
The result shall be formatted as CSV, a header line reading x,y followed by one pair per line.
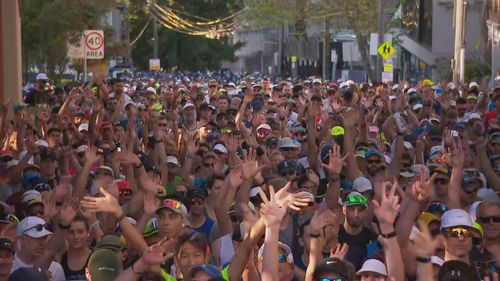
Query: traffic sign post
x,y
93,47
386,50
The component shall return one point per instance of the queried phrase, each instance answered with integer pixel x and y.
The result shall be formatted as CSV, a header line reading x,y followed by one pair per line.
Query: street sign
x,y
154,64
387,76
94,44
76,51
386,50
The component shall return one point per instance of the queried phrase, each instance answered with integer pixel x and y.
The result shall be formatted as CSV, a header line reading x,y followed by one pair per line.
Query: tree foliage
x,y
48,26
358,15
181,51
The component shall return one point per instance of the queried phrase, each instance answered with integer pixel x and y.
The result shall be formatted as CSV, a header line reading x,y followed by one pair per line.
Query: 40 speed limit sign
x,y
94,44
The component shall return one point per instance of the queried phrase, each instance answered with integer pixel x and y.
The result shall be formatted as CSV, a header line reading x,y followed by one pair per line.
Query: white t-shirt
x,y
126,100
55,268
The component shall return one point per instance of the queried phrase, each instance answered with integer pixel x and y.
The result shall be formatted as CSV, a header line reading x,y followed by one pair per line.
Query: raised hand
x,y
456,155
270,210
349,118
387,209
294,201
150,203
156,254
336,162
128,158
106,204
235,177
91,156
68,211
340,251
191,145
321,218
250,167
49,205
420,190
424,245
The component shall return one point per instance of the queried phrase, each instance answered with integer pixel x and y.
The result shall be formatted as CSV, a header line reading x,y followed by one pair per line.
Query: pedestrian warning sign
x,y
386,50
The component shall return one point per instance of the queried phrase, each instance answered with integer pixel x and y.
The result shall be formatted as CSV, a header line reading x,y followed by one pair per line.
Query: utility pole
x,y
126,29
379,64
459,47
326,50
155,36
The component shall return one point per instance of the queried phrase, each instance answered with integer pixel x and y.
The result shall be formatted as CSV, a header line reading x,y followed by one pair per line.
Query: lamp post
x,y
494,36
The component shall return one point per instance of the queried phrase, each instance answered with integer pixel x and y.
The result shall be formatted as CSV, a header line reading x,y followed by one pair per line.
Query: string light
x,y
169,18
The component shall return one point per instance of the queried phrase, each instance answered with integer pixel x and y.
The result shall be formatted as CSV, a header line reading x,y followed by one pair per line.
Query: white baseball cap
x,y
187,105
151,89
33,227
474,116
362,184
83,127
472,85
41,142
317,80
42,76
173,160
373,265
417,106
221,148
264,126
82,148
455,217
282,246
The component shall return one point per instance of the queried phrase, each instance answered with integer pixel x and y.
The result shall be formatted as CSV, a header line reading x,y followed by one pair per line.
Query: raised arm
x,y
456,157
334,168
273,215
386,211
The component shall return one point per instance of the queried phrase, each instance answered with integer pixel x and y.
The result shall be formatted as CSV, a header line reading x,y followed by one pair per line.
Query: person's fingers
x,y
272,194
263,196
431,179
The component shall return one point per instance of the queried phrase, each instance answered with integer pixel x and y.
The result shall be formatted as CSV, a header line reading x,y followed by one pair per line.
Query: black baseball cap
x,y
333,265
455,270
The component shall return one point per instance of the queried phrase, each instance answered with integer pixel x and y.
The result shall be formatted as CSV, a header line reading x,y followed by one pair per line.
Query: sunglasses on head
x,y
437,207
489,219
8,218
457,232
38,227
356,199
173,204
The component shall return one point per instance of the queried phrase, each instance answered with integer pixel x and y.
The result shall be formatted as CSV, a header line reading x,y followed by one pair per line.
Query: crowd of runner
x,y
256,179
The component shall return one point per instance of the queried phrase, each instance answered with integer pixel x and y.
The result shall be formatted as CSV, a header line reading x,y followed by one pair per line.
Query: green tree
x,y
177,50
48,26
358,15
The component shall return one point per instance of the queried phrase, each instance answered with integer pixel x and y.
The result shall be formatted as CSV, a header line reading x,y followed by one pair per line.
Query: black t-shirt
x,y
357,244
74,275
35,97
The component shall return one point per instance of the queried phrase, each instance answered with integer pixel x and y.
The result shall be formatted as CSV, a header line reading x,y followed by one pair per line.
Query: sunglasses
x,y
8,218
374,161
142,109
288,149
456,232
170,203
490,219
197,201
282,258
299,134
263,133
212,86
332,279
437,207
41,187
162,125
38,227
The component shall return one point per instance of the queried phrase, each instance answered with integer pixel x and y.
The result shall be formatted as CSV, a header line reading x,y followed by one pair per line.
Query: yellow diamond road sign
x,y
386,50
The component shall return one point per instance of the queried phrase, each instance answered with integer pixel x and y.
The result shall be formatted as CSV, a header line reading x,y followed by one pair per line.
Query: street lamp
x,y
494,36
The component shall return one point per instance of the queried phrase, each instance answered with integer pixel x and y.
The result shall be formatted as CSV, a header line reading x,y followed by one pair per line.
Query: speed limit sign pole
x,y
93,47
